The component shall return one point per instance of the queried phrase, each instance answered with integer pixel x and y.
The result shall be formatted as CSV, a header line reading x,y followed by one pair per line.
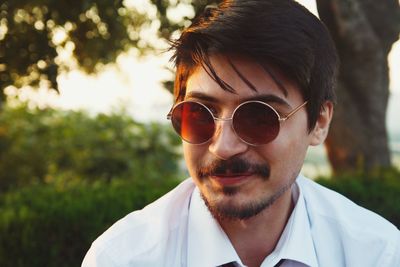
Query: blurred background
x,y
85,87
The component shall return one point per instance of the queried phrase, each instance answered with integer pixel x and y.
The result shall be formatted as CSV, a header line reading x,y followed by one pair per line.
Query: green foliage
x,y
54,226
51,147
33,34
66,176
378,191
168,26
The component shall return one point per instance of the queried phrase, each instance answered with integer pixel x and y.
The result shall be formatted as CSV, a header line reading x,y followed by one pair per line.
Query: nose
x,y
226,144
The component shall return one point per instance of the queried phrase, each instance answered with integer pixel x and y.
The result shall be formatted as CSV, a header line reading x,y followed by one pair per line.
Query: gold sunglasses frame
x,y
217,119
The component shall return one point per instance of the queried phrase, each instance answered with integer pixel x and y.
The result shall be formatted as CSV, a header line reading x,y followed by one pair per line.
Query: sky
x,y
135,85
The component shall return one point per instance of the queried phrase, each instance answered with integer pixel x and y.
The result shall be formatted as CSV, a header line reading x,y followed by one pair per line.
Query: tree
x,y
33,34
364,31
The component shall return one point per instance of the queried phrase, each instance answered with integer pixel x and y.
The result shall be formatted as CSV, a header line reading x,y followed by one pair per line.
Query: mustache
x,y
234,165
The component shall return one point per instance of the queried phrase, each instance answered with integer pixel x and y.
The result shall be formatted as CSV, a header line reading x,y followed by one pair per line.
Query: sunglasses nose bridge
x,y
220,121
225,142
218,128
216,119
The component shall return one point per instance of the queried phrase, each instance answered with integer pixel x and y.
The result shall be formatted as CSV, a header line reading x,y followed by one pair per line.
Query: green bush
x,y
66,176
42,146
54,226
378,191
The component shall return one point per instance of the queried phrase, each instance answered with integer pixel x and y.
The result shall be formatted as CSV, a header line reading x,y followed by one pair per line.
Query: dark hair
x,y
278,33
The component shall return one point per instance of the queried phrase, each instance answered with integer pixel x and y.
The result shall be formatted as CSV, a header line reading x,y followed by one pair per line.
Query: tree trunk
x,y
364,31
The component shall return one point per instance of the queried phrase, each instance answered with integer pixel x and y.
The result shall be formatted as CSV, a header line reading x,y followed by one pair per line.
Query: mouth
x,y
229,179
233,173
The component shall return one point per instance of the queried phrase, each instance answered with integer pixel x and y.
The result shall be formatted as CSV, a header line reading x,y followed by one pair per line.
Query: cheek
x,y
293,141
286,155
192,155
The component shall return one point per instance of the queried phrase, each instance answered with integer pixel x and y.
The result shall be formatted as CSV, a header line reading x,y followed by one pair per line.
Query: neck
x,y
255,238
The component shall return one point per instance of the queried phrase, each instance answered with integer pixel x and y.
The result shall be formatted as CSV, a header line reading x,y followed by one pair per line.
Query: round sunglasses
x,y
253,122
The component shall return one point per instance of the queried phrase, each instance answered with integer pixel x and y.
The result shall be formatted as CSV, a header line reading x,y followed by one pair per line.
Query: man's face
x,y
238,180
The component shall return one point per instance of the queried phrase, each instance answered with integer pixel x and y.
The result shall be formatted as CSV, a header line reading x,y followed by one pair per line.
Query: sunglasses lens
x,y
193,122
256,123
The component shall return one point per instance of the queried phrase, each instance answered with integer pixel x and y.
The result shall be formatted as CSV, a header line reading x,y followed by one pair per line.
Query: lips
x,y
227,179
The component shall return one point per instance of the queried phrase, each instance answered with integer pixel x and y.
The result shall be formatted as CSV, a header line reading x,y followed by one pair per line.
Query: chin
x,y
231,202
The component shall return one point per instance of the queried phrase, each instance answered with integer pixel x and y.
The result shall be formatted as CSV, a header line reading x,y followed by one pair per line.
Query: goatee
x,y
223,211
232,212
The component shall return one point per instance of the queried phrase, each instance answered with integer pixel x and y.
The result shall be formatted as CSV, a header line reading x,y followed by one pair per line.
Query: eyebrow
x,y
266,98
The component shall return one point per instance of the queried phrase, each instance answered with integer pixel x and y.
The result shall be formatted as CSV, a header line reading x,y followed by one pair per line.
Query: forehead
x,y
245,76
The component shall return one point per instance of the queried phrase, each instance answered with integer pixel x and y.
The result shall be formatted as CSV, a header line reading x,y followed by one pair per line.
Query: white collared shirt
x,y
325,229
207,240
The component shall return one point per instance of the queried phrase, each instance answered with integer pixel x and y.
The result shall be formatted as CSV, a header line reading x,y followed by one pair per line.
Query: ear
x,y
320,131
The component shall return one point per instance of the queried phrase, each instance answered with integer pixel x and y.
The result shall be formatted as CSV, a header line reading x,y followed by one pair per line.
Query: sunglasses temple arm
x,y
293,111
169,115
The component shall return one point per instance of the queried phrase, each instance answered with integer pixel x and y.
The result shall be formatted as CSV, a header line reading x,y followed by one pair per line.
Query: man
x,y
254,88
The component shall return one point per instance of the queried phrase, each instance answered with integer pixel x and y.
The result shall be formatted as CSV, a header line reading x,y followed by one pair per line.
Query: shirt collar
x,y
208,245
295,243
